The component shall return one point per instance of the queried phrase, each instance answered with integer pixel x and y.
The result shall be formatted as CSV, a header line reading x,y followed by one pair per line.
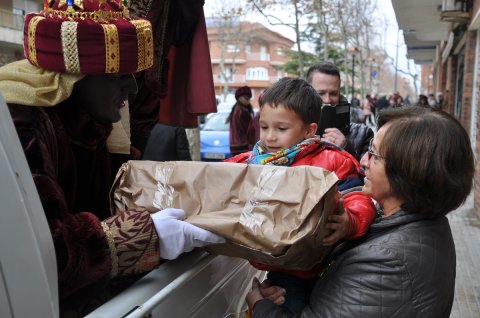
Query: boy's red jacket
x,y
358,206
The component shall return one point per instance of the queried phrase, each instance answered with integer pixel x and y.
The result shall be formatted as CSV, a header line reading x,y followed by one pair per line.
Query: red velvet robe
x,y
71,168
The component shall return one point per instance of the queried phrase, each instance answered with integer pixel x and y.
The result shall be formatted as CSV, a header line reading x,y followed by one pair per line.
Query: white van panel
x,y
28,271
196,284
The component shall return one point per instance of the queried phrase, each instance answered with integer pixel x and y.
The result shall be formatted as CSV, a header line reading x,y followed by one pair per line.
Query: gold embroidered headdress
x,y
88,37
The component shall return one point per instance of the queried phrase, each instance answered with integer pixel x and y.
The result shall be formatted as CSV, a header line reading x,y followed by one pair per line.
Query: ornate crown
x,y
88,37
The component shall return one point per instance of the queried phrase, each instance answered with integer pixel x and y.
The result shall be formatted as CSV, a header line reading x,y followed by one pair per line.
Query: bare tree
x,y
300,9
353,23
332,27
230,36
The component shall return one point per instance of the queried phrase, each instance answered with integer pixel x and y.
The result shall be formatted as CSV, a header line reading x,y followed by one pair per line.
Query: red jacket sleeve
x,y
361,213
359,207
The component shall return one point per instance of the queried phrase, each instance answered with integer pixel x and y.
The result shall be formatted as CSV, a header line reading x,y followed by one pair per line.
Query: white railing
x,y
258,56
235,79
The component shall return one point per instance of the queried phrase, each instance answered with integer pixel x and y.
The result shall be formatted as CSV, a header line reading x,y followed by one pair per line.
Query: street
x,y
465,224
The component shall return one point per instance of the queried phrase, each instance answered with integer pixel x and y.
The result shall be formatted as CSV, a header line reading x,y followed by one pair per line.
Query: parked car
x,y
225,107
215,138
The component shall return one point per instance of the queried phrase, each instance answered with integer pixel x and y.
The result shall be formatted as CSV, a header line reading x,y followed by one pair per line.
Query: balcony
x,y
218,79
11,20
455,11
11,31
258,57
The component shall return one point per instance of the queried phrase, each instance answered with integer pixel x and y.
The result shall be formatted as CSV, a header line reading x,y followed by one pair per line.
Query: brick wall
x,y
476,90
468,74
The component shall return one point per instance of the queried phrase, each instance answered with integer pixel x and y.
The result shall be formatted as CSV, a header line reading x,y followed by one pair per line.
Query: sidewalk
x,y
466,233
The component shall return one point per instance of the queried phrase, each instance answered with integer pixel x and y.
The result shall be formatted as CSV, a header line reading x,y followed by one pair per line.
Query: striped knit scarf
x,y
285,157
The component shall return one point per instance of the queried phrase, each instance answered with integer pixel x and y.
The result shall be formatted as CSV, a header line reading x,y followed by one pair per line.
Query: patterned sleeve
x,y
132,241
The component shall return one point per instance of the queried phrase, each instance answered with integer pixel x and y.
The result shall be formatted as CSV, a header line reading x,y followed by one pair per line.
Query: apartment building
x,y
444,37
246,53
12,14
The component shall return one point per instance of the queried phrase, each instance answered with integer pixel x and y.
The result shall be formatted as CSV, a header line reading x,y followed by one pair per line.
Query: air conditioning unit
x,y
455,11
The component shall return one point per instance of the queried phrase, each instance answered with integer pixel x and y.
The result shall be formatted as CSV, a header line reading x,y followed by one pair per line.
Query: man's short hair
x,y
428,159
323,67
297,95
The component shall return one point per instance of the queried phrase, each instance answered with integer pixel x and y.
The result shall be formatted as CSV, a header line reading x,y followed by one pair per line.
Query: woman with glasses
x,y
419,167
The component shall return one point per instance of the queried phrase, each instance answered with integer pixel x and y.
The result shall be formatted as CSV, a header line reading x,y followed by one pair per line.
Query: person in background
x,y
240,118
289,114
367,107
432,102
419,167
253,132
442,100
66,107
167,143
398,100
422,101
325,79
356,101
382,102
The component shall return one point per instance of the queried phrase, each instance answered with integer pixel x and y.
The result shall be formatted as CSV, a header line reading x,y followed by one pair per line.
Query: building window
x,y
257,74
279,50
248,49
18,11
263,53
232,48
227,77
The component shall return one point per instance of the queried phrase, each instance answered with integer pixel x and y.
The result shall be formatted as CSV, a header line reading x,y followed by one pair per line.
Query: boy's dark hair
x,y
323,67
297,95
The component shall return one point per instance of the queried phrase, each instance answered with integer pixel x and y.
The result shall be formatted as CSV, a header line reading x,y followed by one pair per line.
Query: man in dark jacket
x,y
167,143
325,79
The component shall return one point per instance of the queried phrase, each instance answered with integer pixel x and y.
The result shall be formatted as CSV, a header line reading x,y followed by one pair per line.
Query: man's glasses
x,y
371,153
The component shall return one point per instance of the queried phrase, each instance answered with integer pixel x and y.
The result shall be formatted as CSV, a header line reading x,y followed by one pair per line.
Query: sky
x,y
385,8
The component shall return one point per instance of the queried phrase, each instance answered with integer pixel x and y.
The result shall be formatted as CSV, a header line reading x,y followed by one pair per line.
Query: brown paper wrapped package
x,y
269,214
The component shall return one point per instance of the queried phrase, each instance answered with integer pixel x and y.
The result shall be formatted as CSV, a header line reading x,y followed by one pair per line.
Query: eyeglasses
x,y
371,154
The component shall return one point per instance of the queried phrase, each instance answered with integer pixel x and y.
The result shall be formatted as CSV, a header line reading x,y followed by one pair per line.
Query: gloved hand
x,y
177,236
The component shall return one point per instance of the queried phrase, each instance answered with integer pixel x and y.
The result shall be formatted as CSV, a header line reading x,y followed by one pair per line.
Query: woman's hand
x,y
265,290
339,223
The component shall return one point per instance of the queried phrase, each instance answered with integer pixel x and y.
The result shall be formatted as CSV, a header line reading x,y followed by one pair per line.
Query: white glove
x,y
177,236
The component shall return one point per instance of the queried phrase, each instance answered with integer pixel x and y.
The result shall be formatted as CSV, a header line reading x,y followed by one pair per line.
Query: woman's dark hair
x,y
429,159
422,100
238,104
296,95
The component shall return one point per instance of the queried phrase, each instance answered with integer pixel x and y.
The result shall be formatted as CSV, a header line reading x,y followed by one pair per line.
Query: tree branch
x,y
269,16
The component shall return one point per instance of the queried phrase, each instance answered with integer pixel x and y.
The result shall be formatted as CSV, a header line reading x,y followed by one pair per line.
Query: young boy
x,y
289,113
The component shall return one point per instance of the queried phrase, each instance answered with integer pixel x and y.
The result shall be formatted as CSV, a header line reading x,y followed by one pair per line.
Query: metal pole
x,y
353,76
370,82
396,65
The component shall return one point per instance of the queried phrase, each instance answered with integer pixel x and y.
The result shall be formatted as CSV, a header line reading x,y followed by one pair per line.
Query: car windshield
x,y
217,122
